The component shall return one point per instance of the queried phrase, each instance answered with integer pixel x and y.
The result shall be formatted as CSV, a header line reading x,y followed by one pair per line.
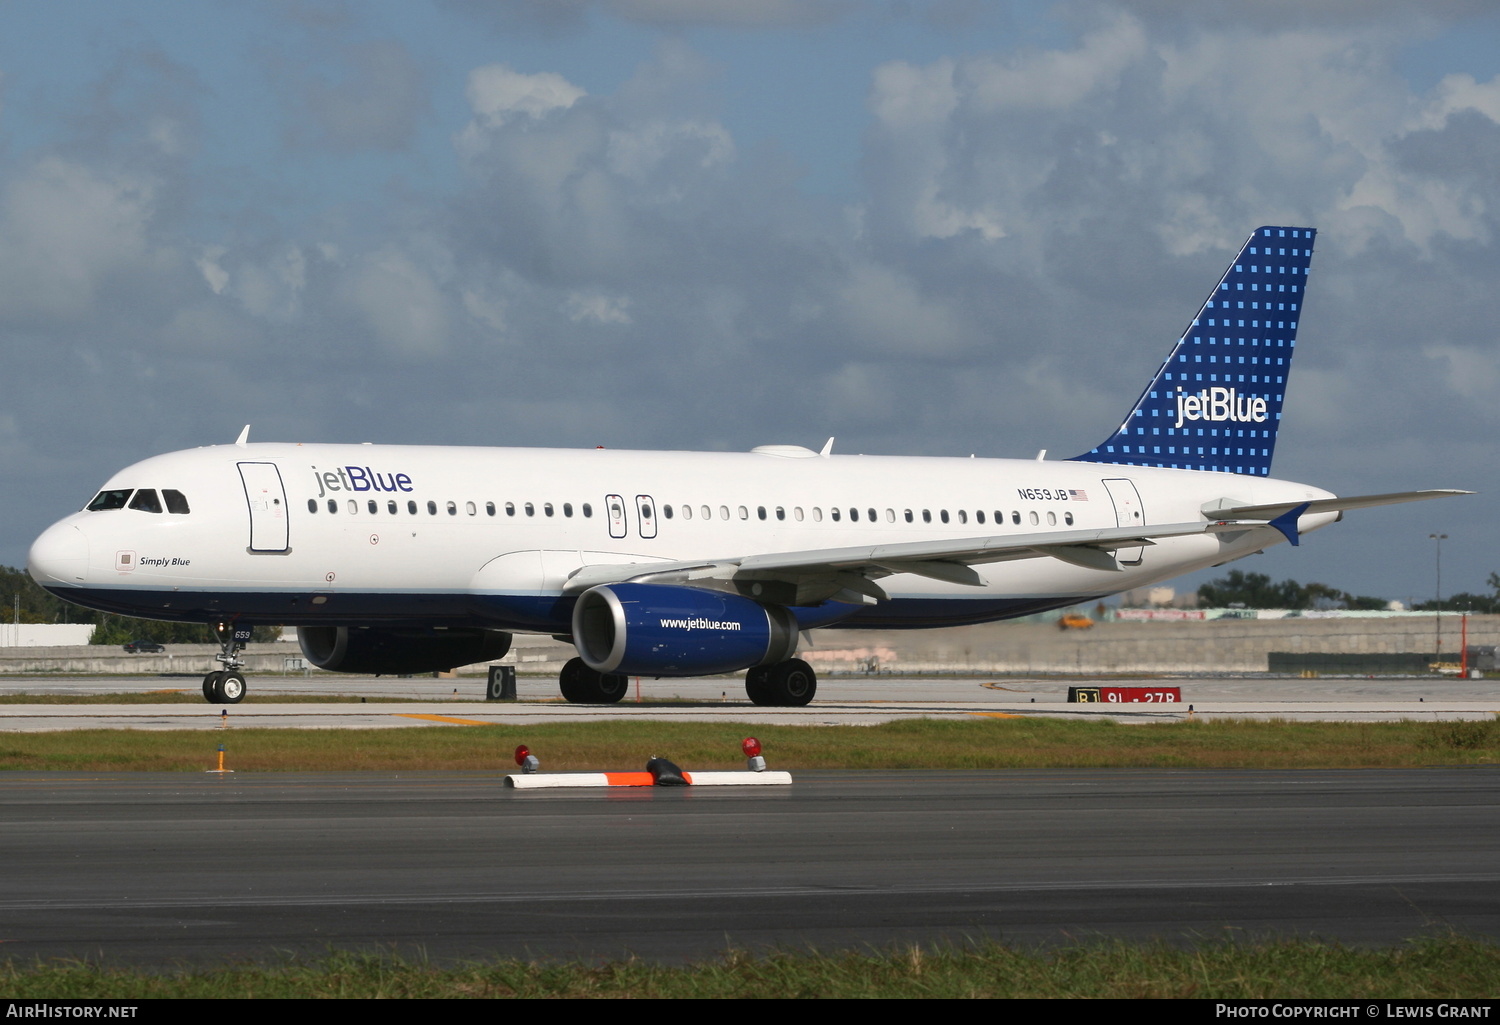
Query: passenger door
x,y
266,497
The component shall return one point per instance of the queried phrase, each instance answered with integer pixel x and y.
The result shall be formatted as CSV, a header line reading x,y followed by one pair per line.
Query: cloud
x,y
65,228
375,102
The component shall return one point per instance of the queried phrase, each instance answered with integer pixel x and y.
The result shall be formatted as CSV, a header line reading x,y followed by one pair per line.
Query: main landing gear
x,y
584,686
788,684
227,686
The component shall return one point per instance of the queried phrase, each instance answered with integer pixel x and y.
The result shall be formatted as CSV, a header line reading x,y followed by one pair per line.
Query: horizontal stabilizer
x,y
1322,505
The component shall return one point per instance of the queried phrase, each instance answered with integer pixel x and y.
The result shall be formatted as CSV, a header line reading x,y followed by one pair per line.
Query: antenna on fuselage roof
x,y
827,448
1041,456
244,436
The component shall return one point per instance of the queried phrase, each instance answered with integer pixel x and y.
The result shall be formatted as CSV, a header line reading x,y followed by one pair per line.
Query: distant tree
x,y
37,605
1253,591
1463,601
1256,591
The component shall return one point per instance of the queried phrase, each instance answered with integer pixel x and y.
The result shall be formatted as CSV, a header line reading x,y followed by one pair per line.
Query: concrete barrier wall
x,y
1224,645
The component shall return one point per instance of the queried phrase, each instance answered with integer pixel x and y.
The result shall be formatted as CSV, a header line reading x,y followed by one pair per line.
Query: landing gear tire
x,y
584,686
231,688
792,683
211,686
758,685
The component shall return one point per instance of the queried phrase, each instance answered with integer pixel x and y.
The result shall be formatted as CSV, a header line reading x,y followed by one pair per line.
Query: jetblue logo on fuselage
x,y
359,478
1219,405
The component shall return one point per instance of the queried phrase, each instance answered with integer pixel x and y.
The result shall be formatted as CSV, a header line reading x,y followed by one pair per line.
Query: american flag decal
x,y
1078,496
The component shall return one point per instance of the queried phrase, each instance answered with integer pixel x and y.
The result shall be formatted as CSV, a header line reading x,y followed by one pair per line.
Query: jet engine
x,y
343,649
665,630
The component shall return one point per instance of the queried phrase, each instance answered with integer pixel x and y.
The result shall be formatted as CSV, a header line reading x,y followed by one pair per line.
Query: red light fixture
x,y
750,746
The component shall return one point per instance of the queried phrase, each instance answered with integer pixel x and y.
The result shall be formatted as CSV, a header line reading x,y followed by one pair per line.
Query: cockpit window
x,y
145,500
176,502
109,500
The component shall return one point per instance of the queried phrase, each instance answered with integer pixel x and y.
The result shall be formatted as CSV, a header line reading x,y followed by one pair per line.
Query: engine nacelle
x,y
343,649
662,630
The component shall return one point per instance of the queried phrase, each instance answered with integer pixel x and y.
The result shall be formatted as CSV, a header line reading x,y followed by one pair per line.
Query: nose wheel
x,y
224,687
227,686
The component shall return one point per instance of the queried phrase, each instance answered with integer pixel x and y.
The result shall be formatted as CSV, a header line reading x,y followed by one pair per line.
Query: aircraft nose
x,y
60,555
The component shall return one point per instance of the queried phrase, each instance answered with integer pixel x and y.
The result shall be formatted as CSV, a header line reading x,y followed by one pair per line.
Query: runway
x,y
162,869
394,703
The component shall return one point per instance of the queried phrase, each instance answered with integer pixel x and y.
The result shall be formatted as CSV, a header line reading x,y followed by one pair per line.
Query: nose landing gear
x,y
227,686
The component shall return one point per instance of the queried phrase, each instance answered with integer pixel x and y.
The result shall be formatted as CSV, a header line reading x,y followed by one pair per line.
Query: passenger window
x,y
944,515
374,508
687,512
1051,518
452,508
489,508
109,500
333,505
963,516
588,510
872,514
547,508
666,512
411,508
797,513
1034,520
390,507
890,516
431,507
744,513
926,515
469,508
510,508
145,500
723,512
908,515
530,509
1015,517
979,516
353,507
817,514
568,509
1068,518
312,505
177,502
780,513
834,514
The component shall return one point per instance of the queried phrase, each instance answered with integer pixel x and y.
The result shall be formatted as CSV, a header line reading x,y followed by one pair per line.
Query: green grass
x,y
979,743
189,696
1445,968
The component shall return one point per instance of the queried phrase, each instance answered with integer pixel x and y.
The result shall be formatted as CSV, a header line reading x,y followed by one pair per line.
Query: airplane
x,y
411,559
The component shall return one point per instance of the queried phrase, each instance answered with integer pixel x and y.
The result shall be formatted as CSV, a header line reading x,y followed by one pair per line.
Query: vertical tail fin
x,y
1215,404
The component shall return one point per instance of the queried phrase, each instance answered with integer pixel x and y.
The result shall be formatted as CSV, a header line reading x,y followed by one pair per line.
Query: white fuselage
x,y
354,534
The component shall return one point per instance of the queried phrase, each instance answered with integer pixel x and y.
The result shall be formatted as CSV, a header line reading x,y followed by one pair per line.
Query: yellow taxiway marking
x,y
443,718
998,715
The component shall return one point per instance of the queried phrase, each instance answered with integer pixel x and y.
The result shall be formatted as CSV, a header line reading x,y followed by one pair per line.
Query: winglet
x,y
827,448
1287,523
244,437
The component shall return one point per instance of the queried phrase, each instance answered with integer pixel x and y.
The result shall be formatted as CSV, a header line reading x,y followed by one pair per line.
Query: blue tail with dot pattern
x,y
1215,404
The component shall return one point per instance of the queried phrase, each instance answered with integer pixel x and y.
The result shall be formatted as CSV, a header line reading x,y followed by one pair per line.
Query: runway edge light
x,y
753,758
526,760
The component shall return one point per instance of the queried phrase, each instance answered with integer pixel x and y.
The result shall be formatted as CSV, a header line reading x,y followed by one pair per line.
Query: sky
x,y
940,228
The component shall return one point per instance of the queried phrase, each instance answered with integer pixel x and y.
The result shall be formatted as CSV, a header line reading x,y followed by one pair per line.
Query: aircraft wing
x,y
816,575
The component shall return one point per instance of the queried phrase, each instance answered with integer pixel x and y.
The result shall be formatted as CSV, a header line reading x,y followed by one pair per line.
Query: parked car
x,y
135,647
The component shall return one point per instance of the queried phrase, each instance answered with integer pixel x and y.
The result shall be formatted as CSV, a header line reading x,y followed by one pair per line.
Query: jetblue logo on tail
x,y
1220,405
1216,401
